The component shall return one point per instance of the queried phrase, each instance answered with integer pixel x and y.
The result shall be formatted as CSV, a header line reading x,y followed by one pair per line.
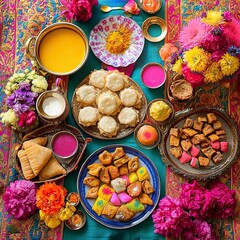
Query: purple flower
x,y
200,230
20,199
234,51
197,200
224,200
170,218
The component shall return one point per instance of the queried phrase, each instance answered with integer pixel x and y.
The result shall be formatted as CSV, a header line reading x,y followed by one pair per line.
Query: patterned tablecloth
x,y
25,18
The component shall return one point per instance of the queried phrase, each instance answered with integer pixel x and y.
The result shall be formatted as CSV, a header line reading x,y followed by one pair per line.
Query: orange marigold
x,y
50,198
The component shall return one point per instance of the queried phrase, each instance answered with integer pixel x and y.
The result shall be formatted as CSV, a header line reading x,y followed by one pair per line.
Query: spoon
x,y
108,9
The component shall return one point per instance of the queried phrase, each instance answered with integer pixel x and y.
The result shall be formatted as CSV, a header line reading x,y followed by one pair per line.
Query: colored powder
x,y
153,76
64,144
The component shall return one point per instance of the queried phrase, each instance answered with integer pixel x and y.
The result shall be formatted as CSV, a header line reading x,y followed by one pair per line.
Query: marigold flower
x,y
177,67
197,59
229,64
213,18
213,73
51,198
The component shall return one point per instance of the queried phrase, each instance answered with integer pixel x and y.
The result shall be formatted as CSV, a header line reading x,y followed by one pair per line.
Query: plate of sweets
x,y
108,104
118,186
117,41
200,143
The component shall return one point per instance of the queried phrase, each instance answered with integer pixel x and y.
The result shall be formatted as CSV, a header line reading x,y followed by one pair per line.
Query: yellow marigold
x,y
229,64
213,73
213,18
197,59
177,67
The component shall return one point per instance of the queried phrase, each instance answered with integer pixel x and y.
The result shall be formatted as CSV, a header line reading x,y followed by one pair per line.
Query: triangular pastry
x,y
40,140
38,156
26,168
51,169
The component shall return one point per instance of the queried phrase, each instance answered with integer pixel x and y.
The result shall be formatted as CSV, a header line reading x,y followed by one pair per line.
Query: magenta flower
x,y
216,56
193,34
80,10
227,16
170,218
224,200
20,199
200,231
197,200
27,118
196,79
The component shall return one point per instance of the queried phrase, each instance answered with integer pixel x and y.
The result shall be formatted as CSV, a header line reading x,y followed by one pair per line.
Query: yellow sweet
x,y
52,221
160,111
67,212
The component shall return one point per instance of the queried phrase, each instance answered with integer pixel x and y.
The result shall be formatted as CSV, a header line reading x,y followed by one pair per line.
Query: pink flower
x,y
232,31
132,7
214,43
193,34
170,218
196,79
200,231
27,118
20,199
224,200
196,200
80,10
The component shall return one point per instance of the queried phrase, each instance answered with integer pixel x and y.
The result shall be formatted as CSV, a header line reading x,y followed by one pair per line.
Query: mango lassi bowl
x,y
60,49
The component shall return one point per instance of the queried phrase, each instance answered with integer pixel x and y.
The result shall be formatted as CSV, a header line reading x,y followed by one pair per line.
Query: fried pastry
x,y
108,103
94,169
130,97
124,214
104,176
113,171
174,141
38,156
51,169
189,132
108,126
118,153
133,164
213,137
186,144
116,81
134,189
86,95
217,125
91,181
208,152
145,199
97,78
25,165
218,157
88,116
128,116
40,140
109,210
175,132
147,187
188,123
198,138
123,170
121,161
92,193
211,117
197,125
105,157
207,129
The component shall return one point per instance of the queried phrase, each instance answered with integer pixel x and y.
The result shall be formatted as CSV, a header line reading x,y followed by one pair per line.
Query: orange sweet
x,y
147,135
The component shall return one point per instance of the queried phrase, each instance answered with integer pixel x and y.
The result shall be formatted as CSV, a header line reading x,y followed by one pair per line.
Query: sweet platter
x,y
99,33
49,131
139,217
123,130
214,167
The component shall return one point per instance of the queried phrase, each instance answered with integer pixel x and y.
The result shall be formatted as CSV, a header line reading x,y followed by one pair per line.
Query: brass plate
x,y
154,21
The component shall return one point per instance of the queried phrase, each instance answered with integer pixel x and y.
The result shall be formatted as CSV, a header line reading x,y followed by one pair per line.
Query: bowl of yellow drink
x,y
160,111
61,48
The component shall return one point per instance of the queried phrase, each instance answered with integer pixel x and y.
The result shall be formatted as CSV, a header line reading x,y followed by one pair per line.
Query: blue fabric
x,y
93,229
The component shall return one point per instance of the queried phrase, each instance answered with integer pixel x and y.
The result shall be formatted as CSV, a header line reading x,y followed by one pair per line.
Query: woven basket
x,y
49,131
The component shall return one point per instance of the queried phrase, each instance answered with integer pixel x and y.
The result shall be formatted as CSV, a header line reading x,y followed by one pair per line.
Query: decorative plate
x,y
214,169
49,130
97,41
88,203
93,130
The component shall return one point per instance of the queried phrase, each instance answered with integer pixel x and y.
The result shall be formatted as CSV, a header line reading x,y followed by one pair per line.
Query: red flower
x,y
27,118
196,79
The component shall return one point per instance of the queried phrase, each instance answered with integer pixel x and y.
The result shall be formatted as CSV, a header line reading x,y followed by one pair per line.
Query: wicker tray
x,y
48,131
93,130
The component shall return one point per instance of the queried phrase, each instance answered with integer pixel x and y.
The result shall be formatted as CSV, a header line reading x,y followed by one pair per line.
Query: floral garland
x,y
186,216
22,90
208,51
